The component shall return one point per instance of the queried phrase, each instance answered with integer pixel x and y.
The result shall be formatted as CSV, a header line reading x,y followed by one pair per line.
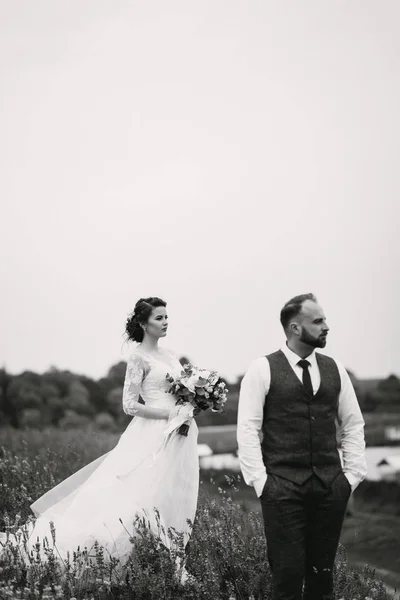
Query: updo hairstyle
x,y
140,316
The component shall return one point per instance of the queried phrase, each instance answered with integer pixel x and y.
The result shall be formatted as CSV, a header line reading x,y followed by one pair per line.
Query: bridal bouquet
x,y
201,388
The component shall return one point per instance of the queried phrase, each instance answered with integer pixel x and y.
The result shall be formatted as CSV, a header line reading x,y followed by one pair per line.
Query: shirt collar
x,y
294,358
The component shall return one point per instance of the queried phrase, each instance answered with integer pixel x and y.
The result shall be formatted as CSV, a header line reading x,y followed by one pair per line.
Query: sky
x,y
225,156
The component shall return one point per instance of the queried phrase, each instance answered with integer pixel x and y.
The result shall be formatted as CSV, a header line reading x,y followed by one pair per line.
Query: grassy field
x,y
374,539
220,439
226,555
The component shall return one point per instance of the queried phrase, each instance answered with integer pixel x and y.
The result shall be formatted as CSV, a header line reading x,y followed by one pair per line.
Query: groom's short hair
x,y
293,307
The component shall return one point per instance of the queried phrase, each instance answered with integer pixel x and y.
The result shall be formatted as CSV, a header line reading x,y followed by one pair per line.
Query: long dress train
x,y
101,501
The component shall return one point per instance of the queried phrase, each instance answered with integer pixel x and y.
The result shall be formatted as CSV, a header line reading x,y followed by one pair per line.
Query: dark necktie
x,y
304,364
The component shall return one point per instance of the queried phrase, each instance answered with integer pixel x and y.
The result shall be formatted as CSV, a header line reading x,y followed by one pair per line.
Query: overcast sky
x,y
222,155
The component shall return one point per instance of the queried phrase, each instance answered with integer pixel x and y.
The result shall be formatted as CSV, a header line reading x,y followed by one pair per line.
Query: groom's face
x,y
312,325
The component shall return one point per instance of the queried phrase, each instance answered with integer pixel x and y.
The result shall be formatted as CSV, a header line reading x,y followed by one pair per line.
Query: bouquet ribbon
x,y
172,427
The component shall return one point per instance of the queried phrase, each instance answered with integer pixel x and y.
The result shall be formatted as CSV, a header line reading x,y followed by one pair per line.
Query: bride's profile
x,y
142,473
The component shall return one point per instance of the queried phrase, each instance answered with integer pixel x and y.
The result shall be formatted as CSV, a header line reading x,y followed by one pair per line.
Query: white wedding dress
x,y
145,470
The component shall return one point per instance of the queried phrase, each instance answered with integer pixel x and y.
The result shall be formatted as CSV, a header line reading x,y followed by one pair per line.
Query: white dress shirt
x,y
253,390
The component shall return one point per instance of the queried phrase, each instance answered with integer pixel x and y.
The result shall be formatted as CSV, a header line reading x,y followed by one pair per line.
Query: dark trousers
x,y
302,527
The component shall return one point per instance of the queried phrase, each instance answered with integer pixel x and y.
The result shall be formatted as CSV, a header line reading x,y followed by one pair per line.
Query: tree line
x,y
66,400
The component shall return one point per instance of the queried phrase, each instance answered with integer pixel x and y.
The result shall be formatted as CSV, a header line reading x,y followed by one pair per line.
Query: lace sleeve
x,y
135,374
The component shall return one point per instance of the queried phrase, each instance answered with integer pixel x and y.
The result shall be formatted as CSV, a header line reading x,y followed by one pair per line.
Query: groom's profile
x,y
301,402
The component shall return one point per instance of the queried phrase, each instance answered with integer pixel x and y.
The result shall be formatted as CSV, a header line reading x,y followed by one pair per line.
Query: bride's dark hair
x,y
140,316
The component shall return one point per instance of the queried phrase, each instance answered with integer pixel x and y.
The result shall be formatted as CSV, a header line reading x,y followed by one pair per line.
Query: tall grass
x,y
226,557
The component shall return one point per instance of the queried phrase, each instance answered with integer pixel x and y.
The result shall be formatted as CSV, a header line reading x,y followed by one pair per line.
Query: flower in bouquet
x,y
201,388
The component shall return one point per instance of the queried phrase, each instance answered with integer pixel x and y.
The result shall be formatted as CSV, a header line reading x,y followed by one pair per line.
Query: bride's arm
x,y
135,374
148,412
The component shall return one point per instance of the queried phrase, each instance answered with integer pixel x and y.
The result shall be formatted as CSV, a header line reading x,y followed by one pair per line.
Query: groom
x,y
301,402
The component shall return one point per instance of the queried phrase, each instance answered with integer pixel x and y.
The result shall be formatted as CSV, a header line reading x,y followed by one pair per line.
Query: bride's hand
x,y
178,415
182,411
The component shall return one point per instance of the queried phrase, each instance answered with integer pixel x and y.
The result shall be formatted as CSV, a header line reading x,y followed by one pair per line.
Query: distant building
x,y
389,467
204,450
392,433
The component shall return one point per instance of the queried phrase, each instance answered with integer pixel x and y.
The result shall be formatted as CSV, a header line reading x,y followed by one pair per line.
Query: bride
x,y
152,472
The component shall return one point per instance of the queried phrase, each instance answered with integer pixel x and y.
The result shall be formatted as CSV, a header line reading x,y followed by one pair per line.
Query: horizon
x,y
229,380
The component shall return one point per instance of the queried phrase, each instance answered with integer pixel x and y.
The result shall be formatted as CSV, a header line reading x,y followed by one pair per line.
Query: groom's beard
x,y
310,340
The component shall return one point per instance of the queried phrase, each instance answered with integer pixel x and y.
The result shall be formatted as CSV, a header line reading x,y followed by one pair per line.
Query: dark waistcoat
x,y
299,431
